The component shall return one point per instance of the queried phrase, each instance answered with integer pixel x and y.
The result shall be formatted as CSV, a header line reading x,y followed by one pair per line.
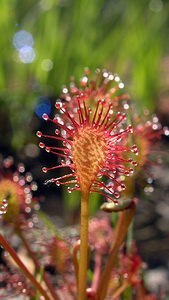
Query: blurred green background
x,y
43,43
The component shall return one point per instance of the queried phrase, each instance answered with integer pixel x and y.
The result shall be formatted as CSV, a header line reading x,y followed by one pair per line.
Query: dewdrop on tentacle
x,y
90,145
4,206
103,85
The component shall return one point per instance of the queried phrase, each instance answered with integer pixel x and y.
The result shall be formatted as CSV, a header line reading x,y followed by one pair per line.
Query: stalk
x,y
83,261
97,271
23,268
124,221
75,259
120,290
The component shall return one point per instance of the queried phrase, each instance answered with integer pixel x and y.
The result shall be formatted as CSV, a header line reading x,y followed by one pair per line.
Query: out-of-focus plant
x,y
16,188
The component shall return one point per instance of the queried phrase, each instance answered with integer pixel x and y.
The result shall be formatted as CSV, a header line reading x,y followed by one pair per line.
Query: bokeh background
x,y
45,42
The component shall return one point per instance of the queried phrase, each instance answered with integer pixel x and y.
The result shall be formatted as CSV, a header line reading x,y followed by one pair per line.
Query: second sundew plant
x,y
93,139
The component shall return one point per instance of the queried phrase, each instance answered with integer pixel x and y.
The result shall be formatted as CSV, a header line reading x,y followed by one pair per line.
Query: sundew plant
x,y
95,145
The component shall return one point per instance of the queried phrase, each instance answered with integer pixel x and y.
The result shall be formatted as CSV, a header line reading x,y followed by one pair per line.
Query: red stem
x,y
23,268
36,263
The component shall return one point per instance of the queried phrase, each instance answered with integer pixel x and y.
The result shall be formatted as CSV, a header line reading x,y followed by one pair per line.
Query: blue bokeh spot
x,y
43,107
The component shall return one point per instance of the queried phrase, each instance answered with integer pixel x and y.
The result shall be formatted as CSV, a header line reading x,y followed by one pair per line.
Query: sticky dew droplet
x,y
45,117
64,90
57,131
21,168
166,131
116,195
41,145
134,149
126,106
22,181
69,190
58,105
119,115
66,151
131,171
8,162
121,85
123,186
39,134
28,177
34,186
130,129
3,210
84,80
111,77
47,149
149,180
44,170
149,189
27,209
105,74
5,202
